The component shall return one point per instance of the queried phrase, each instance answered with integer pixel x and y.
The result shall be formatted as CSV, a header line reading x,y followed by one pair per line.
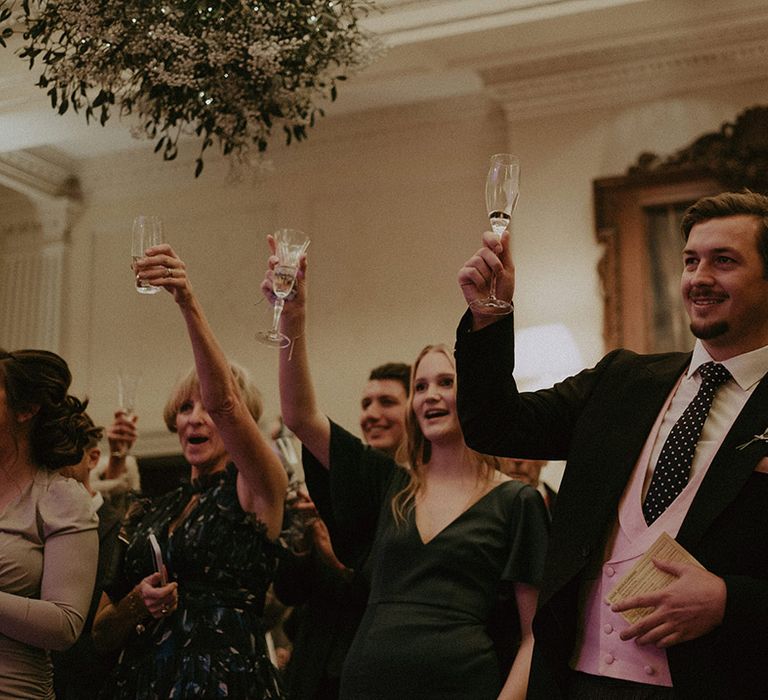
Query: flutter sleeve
x,y
351,499
67,523
529,532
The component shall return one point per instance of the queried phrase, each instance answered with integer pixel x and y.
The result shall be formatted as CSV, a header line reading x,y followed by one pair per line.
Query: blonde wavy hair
x,y
416,451
189,384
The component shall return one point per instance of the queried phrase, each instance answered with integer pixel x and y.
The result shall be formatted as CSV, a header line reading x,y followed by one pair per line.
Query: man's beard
x,y
709,330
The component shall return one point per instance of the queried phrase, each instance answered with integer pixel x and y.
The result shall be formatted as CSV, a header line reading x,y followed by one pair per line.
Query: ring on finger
x,y
168,272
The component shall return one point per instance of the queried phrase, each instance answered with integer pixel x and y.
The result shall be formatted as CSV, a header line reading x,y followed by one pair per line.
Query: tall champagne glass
x,y
127,387
147,231
290,245
502,188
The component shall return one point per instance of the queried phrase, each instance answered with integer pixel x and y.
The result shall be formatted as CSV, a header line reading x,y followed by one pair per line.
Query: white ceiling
x,y
411,21
436,49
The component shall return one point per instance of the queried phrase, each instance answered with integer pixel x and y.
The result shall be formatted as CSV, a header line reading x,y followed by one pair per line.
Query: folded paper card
x,y
646,578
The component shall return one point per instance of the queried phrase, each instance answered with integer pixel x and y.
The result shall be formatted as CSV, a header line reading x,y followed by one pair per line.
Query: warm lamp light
x,y
545,355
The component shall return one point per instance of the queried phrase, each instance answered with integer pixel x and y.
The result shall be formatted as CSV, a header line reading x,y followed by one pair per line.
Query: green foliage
x,y
227,71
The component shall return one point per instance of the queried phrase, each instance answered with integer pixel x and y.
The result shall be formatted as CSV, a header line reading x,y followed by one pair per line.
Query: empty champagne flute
x,y
147,231
502,188
127,387
290,245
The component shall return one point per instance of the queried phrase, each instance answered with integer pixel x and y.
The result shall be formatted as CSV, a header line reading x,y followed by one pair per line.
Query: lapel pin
x,y
763,437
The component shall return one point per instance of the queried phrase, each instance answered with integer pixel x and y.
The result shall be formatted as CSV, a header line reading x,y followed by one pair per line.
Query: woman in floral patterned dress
x,y
200,634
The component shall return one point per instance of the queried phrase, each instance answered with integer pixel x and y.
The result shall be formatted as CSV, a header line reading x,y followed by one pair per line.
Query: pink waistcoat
x,y
599,650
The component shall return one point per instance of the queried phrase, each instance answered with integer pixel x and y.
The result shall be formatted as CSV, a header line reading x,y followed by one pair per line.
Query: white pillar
x,y
39,210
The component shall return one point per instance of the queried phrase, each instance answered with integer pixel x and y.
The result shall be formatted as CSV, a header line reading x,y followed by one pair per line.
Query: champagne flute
x,y
147,231
290,245
127,386
502,188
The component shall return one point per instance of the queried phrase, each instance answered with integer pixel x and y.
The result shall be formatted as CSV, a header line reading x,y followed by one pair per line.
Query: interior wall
x,y
555,246
393,201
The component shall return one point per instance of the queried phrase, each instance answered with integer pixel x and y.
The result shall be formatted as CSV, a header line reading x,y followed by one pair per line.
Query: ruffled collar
x,y
206,482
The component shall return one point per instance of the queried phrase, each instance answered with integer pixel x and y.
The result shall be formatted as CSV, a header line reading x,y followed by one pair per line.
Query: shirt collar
x,y
747,369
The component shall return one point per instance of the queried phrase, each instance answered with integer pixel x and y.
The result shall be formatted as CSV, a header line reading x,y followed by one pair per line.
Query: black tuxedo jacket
x,y
598,421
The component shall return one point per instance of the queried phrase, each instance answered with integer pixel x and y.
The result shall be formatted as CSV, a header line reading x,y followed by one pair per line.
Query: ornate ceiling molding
x,y
631,70
411,21
36,176
44,199
569,56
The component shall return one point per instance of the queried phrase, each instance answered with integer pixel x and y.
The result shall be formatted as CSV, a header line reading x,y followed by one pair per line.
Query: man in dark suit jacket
x,y
608,422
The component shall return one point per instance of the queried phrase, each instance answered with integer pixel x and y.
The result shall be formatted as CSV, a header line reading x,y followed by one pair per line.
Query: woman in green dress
x,y
450,536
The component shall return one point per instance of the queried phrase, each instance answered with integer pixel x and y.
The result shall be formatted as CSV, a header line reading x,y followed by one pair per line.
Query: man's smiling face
x,y
724,286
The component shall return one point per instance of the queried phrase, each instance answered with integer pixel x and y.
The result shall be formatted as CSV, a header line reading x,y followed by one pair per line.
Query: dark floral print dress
x,y
213,645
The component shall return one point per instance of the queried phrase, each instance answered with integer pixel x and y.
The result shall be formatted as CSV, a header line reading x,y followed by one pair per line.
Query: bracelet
x,y
136,609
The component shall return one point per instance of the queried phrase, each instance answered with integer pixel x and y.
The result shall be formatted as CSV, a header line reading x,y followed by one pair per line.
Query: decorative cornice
x,y
635,57
36,176
411,21
736,155
632,69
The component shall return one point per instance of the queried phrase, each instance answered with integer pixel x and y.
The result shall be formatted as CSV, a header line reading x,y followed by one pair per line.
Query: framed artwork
x,y
637,219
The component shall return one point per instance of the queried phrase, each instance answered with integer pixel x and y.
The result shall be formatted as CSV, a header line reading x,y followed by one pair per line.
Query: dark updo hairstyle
x,y
37,381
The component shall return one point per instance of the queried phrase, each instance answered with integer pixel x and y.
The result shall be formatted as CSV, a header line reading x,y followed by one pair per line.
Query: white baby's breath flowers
x,y
231,71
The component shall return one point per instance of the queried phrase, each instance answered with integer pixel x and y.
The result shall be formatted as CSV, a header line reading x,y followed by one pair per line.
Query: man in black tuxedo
x,y
619,425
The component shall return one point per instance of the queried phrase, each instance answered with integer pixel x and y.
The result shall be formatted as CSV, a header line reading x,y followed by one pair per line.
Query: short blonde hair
x,y
190,384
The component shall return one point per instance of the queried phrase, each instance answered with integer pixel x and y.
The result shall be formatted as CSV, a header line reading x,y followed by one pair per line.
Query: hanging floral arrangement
x,y
227,71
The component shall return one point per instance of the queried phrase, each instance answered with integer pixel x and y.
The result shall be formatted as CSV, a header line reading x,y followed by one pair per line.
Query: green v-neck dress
x,y
425,630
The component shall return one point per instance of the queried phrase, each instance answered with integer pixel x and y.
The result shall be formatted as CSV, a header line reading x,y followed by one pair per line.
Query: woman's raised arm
x,y
297,393
261,480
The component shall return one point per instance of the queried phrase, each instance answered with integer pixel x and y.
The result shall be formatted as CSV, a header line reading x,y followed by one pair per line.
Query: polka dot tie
x,y
674,464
